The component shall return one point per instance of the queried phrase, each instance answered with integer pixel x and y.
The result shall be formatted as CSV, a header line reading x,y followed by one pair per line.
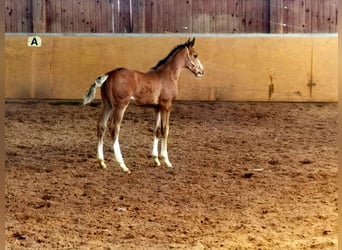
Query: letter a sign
x,y
34,41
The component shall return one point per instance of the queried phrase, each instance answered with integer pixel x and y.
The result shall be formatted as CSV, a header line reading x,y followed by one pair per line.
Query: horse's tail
x,y
90,94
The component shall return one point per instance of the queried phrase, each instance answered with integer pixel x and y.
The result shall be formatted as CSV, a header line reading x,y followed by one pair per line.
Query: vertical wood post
x,y
140,23
39,16
268,16
276,16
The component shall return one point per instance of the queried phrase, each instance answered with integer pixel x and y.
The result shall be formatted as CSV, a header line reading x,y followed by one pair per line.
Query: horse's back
x,y
144,88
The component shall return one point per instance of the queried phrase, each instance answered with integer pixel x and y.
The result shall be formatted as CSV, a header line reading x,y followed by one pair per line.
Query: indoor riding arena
x,y
252,141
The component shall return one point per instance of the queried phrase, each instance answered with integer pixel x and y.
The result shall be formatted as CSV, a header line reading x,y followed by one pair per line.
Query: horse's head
x,y
192,61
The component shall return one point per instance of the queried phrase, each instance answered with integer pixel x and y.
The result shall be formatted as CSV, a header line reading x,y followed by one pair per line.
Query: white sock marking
x,y
118,155
100,151
117,151
155,146
163,152
155,151
156,141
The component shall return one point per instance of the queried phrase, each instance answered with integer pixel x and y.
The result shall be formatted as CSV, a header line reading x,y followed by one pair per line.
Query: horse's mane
x,y
163,61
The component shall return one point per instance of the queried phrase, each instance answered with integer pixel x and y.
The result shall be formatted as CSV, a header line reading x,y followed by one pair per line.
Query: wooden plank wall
x,y
18,16
79,16
174,16
303,16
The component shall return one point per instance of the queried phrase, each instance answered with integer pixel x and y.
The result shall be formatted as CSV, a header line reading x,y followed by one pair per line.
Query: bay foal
x,y
157,87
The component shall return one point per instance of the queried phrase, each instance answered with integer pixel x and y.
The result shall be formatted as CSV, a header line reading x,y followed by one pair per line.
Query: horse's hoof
x,y
156,161
102,164
124,168
169,166
167,163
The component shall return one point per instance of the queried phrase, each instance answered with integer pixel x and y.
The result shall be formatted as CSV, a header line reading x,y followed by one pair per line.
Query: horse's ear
x,y
187,43
192,43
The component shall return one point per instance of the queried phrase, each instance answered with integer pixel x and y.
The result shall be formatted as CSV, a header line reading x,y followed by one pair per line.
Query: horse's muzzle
x,y
199,74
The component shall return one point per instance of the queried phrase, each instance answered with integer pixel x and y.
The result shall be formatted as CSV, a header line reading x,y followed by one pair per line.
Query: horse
x,y
157,88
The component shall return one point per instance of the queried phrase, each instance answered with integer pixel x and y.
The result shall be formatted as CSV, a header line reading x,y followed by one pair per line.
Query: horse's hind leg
x,y
115,130
101,128
156,131
165,117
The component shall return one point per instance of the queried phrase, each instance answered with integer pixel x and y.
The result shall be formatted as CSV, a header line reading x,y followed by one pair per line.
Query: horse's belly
x,y
145,99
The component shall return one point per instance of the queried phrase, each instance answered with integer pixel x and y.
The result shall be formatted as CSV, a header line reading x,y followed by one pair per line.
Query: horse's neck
x,y
173,67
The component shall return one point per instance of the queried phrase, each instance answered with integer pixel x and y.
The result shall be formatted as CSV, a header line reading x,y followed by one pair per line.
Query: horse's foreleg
x,y
101,128
165,117
156,130
115,130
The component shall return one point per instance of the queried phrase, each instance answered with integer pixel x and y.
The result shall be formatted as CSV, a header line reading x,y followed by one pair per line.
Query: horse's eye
x,y
195,55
